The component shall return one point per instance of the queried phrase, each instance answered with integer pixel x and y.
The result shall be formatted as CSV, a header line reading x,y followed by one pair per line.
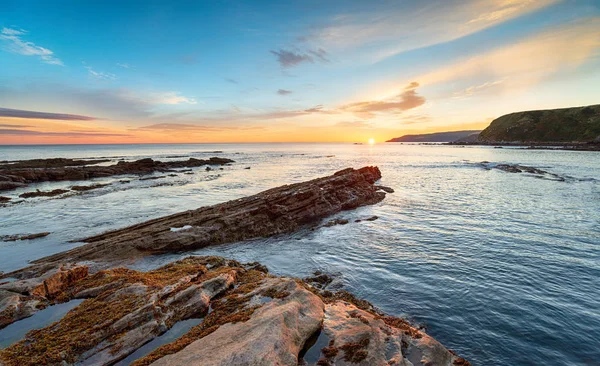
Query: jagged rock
x,y
23,236
19,175
60,281
124,310
385,189
21,299
4,199
359,337
275,211
256,319
273,335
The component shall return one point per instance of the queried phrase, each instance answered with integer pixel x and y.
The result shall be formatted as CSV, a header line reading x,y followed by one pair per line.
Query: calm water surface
x,y
503,268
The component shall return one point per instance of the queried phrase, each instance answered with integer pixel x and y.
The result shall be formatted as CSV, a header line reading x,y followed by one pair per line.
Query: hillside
x,y
436,137
579,124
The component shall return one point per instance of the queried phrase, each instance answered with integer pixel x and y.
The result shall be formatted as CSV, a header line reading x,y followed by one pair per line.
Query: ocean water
x,y
503,268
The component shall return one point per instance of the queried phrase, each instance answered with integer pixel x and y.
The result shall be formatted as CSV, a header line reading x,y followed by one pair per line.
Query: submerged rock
x,y
19,175
88,188
335,222
23,236
38,193
279,210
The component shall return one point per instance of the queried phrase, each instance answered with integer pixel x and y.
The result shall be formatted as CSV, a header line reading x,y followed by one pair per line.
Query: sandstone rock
x,y
59,281
129,310
274,334
4,199
358,337
256,319
275,211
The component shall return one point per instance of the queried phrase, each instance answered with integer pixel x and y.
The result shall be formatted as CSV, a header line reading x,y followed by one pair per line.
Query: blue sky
x,y
156,71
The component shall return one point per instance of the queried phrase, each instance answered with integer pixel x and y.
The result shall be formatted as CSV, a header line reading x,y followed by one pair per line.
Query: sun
x,y
371,141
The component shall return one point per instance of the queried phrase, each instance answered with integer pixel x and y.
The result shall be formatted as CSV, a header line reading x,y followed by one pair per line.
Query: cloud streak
x,y
16,44
287,59
404,101
284,92
175,127
16,132
18,113
390,28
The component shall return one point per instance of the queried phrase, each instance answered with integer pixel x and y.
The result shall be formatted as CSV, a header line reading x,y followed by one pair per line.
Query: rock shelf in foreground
x,y
255,319
276,211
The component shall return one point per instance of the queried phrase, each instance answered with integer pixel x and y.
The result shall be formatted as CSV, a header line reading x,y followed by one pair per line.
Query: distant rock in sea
x,y
438,136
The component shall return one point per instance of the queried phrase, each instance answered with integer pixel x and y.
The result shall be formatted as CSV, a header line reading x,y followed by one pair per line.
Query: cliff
x,y
579,124
436,137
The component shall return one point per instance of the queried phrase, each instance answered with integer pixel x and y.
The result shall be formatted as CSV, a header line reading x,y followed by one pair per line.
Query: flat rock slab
x,y
276,211
20,174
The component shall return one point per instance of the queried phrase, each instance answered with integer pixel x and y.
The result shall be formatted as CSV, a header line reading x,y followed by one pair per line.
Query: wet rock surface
x,y
21,298
19,174
276,211
250,317
23,236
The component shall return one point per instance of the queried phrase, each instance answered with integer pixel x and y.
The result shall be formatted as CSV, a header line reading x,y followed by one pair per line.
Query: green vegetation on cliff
x,y
579,124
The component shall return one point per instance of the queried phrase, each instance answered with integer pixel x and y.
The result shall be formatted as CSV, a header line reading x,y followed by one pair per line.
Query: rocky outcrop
x,y
275,211
249,318
273,335
20,174
359,337
21,298
50,163
23,236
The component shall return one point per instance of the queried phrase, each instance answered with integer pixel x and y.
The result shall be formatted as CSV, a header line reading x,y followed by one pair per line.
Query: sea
x,y
503,268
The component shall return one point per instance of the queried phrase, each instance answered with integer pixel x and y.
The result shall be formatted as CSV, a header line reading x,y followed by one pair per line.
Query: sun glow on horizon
x,y
371,141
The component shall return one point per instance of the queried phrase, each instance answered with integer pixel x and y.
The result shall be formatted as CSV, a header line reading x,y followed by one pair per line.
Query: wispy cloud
x,y
125,66
524,63
355,124
98,75
16,132
175,127
170,98
18,113
284,92
391,27
14,126
232,81
287,59
13,38
404,101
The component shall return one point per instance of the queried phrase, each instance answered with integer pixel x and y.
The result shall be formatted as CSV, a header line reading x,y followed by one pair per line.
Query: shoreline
x,y
244,298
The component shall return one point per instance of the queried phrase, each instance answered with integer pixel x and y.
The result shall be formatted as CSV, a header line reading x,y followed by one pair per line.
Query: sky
x,y
74,72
